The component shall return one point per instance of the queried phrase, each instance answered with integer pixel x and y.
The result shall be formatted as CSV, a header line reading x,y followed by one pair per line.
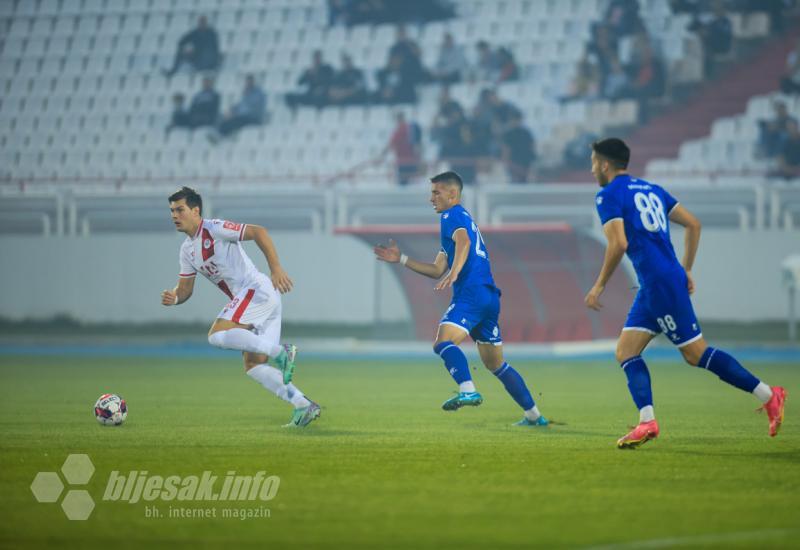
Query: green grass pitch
x,y
384,467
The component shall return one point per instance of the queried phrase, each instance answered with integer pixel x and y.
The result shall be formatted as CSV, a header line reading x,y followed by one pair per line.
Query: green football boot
x,y
463,399
285,361
304,416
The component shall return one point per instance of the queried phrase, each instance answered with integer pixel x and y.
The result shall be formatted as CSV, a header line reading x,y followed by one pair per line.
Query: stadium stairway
x,y
726,95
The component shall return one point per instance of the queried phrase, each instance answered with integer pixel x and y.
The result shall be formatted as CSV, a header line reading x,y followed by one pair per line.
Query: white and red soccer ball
x,y
110,410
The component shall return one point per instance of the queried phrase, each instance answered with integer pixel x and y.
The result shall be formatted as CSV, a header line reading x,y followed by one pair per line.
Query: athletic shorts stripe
x,y
243,305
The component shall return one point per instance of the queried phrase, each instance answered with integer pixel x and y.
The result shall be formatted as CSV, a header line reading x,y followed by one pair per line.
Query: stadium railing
x,y
83,209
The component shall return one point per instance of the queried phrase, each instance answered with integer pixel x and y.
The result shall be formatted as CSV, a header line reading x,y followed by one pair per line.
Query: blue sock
x,y
454,361
728,369
515,386
638,381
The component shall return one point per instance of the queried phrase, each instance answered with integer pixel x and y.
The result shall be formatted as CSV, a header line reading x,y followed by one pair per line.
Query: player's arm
x,y
179,294
391,254
264,242
614,231
691,238
461,238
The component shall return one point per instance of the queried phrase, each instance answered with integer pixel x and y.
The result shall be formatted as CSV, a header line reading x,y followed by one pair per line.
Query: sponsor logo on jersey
x,y
233,226
207,243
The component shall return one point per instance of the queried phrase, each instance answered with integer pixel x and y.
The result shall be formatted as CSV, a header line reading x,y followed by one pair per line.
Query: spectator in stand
x,y
789,158
622,17
773,133
447,108
410,56
317,81
199,48
488,67
491,117
249,111
405,144
645,69
180,115
616,83
790,82
395,85
602,50
452,63
458,146
519,150
716,33
204,110
508,66
348,86
339,12
586,82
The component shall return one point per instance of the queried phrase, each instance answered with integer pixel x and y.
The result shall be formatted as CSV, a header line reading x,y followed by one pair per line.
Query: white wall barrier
x,y
118,278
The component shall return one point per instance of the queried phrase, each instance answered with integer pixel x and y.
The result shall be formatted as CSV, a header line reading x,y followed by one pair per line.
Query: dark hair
x,y
449,177
613,150
192,197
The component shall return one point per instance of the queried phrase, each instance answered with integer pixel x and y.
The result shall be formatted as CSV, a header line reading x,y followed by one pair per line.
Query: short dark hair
x,y
613,150
449,177
192,197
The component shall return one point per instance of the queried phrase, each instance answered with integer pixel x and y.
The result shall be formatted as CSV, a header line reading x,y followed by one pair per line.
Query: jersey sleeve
x,y
226,230
670,202
456,220
186,268
609,206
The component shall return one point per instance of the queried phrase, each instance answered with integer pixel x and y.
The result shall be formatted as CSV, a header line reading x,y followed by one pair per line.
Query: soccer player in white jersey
x,y
251,321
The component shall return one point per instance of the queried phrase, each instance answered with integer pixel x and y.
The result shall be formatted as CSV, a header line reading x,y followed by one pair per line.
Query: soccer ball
x,y
110,410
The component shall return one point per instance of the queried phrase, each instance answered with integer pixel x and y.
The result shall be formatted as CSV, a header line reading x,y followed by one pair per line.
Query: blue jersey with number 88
x,y
644,209
476,270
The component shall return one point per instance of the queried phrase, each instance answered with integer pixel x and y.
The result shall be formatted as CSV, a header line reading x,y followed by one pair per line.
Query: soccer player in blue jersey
x,y
463,264
636,215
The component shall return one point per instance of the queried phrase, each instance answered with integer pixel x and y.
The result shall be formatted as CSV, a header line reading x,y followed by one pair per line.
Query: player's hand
x,y
447,281
390,254
592,299
689,282
169,298
281,281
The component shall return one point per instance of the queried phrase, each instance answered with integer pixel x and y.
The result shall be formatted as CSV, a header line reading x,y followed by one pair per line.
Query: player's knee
x,y
691,357
622,355
440,345
217,339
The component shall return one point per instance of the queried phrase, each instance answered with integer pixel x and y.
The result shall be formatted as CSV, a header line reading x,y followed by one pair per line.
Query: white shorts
x,y
260,306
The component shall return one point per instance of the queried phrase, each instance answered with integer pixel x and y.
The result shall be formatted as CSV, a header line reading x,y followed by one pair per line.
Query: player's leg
x,y
637,333
446,346
699,354
233,328
492,358
271,378
677,319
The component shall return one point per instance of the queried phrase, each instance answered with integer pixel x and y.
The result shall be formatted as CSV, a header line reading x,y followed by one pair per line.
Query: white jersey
x,y
215,251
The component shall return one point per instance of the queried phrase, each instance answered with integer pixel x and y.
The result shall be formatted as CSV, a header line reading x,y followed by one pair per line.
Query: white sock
x,y
272,379
646,414
533,414
467,386
244,340
763,392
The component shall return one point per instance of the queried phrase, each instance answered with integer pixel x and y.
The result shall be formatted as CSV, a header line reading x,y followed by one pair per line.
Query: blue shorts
x,y
475,310
664,306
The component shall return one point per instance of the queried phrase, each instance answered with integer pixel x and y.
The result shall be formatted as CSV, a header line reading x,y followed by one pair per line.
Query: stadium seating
x,y
78,75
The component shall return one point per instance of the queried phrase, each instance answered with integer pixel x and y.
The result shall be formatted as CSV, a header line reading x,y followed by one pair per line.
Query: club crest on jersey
x,y
207,244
